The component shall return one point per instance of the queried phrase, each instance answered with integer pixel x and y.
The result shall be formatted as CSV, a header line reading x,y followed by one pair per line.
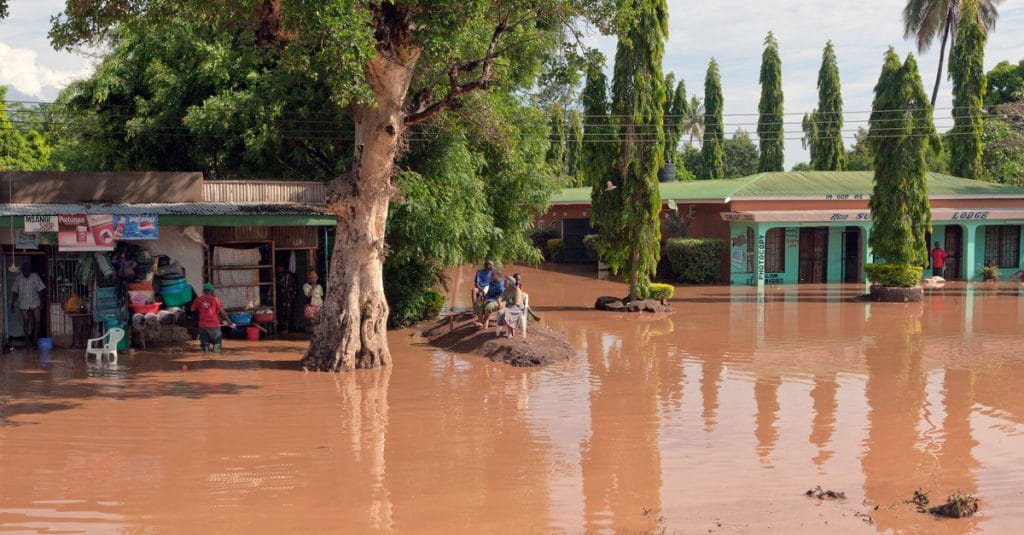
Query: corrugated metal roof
x,y
185,209
264,191
799,184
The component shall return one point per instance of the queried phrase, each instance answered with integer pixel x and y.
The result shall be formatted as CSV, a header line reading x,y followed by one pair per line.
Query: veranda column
x,y
760,245
970,267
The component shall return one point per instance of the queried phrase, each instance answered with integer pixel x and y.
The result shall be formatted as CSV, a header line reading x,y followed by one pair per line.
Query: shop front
x,y
139,264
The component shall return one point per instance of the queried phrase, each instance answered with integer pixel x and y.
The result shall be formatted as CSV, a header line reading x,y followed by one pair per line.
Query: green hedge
x,y
662,292
894,275
555,250
695,260
539,236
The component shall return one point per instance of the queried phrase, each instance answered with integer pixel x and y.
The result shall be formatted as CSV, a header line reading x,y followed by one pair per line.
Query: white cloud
x,y
21,69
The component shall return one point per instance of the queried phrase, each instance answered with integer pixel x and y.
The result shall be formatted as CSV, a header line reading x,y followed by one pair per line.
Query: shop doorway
x,y
813,255
851,255
954,251
39,262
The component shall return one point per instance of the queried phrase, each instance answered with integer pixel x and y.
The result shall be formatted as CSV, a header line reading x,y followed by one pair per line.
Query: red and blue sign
x,y
136,227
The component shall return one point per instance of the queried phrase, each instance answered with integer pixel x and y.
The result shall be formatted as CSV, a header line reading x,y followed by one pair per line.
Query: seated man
x,y
491,301
482,281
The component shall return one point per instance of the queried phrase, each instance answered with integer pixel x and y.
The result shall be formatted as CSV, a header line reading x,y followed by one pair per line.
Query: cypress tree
x,y
556,146
714,135
967,69
630,235
827,151
574,150
769,122
900,130
598,151
676,107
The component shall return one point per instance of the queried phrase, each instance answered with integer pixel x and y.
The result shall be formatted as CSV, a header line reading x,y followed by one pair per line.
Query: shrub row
x,y
555,247
695,260
662,292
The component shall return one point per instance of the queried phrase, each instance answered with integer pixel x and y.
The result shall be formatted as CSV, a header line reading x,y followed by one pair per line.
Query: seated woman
x,y
512,315
491,301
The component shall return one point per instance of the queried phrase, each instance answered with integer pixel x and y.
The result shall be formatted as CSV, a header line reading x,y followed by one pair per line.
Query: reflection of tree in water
x,y
766,397
895,461
823,396
621,461
478,461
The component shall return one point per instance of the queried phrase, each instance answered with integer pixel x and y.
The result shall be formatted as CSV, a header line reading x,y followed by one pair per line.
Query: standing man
x,y
482,281
287,289
938,260
211,312
26,289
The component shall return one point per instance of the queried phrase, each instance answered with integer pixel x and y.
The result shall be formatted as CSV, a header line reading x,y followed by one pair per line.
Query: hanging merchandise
x,y
291,262
105,265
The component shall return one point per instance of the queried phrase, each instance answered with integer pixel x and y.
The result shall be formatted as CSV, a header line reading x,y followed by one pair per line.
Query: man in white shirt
x,y
26,289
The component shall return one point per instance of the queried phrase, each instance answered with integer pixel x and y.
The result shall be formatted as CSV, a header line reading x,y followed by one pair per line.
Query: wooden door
x,y
954,252
813,255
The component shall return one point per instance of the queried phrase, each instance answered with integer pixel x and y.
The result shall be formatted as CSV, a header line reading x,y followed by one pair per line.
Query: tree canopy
x,y
713,128
627,221
770,119
901,127
967,68
826,144
21,149
1004,83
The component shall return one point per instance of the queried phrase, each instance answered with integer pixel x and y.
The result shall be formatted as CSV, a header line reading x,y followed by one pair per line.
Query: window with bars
x,y
1002,245
775,251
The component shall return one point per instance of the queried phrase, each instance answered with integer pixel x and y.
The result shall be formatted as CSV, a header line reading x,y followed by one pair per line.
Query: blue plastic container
x,y
45,344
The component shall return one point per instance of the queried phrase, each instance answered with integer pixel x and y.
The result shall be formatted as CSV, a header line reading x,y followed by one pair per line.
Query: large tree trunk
x,y
942,56
352,328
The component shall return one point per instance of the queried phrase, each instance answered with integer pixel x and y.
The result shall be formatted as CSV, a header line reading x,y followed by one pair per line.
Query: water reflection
x,y
714,418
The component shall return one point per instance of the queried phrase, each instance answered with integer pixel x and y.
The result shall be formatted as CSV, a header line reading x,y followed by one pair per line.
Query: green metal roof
x,y
805,184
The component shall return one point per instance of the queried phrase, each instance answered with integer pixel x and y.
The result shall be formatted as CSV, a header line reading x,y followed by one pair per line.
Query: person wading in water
x,y
26,290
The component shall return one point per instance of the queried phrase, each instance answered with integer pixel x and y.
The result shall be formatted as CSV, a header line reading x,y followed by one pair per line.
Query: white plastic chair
x,y
105,345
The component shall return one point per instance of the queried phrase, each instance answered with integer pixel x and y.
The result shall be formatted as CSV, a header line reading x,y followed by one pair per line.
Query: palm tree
x,y
693,121
923,20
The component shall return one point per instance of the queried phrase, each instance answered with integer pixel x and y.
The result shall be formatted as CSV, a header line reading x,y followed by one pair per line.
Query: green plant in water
x,y
990,273
894,275
662,292
555,247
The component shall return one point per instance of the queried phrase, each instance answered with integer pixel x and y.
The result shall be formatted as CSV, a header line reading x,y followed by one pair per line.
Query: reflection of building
x,y
783,228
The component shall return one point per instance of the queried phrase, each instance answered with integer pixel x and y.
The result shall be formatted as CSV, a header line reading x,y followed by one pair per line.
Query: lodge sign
x,y
958,216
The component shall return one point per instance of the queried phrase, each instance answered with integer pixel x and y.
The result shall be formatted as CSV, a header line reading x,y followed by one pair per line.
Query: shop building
x,y
231,233
814,227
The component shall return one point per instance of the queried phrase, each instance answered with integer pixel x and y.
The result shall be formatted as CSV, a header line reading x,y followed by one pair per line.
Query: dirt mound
x,y
541,347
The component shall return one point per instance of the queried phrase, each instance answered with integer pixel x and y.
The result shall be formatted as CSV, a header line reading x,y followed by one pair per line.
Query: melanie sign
x,y
40,223
85,233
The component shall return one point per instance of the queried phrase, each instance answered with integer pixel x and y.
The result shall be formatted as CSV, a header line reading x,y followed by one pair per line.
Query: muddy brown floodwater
x,y
714,419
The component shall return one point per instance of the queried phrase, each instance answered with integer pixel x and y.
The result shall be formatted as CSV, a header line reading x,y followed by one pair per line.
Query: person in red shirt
x,y
938,260
211,312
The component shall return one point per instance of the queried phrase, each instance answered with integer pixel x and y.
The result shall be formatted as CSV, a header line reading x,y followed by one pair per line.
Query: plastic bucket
x,y
252,333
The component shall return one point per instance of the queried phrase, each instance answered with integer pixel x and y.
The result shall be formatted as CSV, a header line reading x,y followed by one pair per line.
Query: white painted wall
x,y
188,253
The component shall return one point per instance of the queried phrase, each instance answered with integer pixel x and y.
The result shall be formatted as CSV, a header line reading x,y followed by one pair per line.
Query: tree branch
x,y
457,89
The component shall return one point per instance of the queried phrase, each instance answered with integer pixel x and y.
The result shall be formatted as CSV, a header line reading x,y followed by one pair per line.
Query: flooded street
x,y
714,419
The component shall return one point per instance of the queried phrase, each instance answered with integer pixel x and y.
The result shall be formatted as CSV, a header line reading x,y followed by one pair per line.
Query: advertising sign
x,y
27,240
40,223
85,233
136,227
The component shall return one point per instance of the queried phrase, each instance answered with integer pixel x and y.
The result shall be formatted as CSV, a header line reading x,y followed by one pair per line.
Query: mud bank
x,y
540,347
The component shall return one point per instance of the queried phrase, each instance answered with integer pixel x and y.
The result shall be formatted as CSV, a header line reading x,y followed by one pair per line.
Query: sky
x,y
731,31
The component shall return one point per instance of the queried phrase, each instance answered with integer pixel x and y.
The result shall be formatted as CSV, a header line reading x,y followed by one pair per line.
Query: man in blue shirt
x,y
491,300
482,281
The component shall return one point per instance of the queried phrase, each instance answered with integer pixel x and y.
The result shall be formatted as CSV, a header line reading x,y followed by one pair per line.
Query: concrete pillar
x,y
970,257
760,245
